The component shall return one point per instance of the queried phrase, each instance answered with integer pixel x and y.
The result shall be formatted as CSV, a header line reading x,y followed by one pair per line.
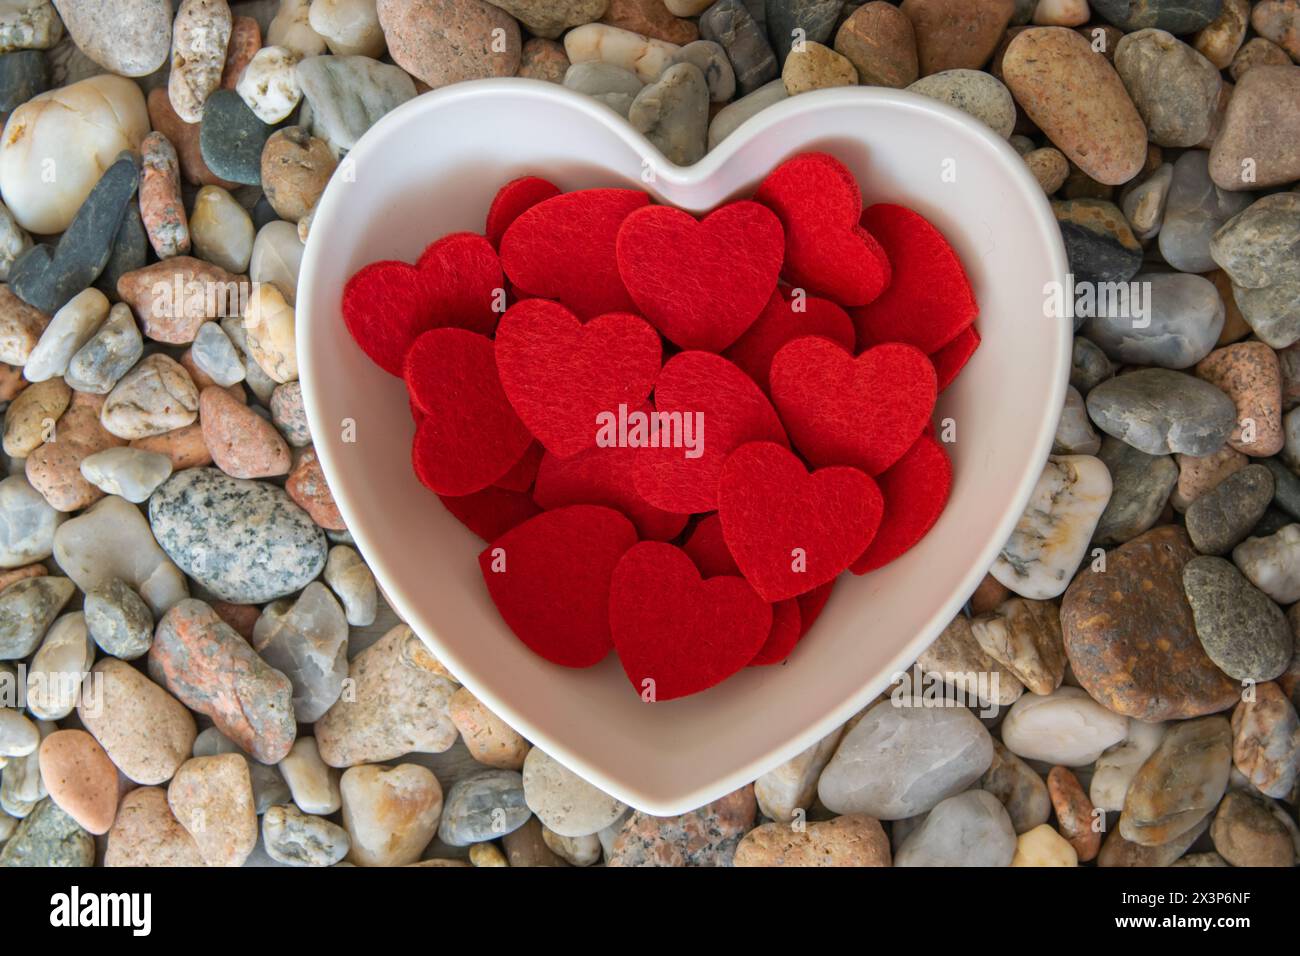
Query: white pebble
x,y
315,786
269,84
70,329
130,472
354,584
59,668
1065,727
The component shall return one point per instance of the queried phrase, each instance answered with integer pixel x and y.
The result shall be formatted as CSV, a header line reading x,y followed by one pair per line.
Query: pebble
x,y
1025,637
195,292
1257,52
18,735
673,113
216,357
146,731
1222,518
1266,735
354,585
707,836
1198,474
184,447
576,851
27,524
291,27
1286,488
645,56
1074,432
483,806
1279,21
1175,89
1176,16
212,798
20,328
349,27
1141,486
1257,250
29,25
391,813
488,854
1078,100
730,117
448,41
48,837
296,167
1116,767
306,485
652,18
258,382
877,38
955,655
900,761
1260,128
1195,210
222,231
1075,814
711,59
1160,411
113,540
307,641
82,129
1242,631
974,93
1180,784
1066,727
729,24
1144,205
32,416
54,469
1049,166
156,396
851,840
1052,535
58,668
80,778
200,36
73,325
969,829
298,839
1060,13
1018,788
314,785
231,138
791,788
563,801
953,34
398,705
1184,319
349,94
185,138
544,60
245,41
490,739
243,444
269,84
129,472
118,620
816,67
1248,831
1098,240
1273,563
213,671
112,351
146,834
1249,373
269,327
1043,846
128,37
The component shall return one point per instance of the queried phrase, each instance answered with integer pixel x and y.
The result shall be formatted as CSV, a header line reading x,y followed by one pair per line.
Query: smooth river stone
x,y
713,63
1144,205
1018,787
1266,741
1066,727
307,640
27,524
1130,636
212,798
1257,145
1272,563
955,34
1180,784
482,806
298,839
728,119
1260,250
27,607
1052,535
969,829
563,801
609,84
1141,486
1159,411
1241,629
1195,210
449,41
1221,518
783,792
1251,831
1182,326
243,540
349,94
1117,767
707,836
957,659
146,834
130,38
1176,16
1098,240
975,93
1075,96
1175,89
146,731
850,840
900,761
673,113
729,23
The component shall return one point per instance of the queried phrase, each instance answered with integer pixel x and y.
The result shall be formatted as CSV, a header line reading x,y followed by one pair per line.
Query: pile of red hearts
x,y
691,514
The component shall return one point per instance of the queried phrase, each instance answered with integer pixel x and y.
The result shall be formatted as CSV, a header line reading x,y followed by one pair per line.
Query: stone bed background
x,y
1143,716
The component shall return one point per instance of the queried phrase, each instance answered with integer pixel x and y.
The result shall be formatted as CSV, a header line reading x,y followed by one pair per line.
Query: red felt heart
x,y
915,489
702,283
456,283
929,301
784,635
812,604
491,512
523,473
952,358
564,377
827,251
468,436
790,531
705,391
785,318
550,579
675,632
840,410
563,248
603,476
512,200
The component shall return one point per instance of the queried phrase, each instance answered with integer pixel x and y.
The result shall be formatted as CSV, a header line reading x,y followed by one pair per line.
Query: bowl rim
x,y
1043,222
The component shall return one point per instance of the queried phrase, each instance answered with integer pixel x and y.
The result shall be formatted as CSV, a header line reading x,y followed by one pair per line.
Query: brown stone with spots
x,y
243,443
21,326
1260,131
526,846
1279,21
184,446
650,18
1266,741
1220,40
308,488
704,837
1250,375
21,574
242,617
296,168
1198,474
490,739
1074,812
1025,637
245,41
80,778
957,34
197,291
1248,831
879,41
54,469
147,834
543,59
446,41
850,840
161,206
11,381
185,137
212,798
212,670
1075,96
1130,637
1257,52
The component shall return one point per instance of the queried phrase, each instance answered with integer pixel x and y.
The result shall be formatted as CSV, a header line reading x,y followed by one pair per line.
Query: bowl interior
x,y
433,166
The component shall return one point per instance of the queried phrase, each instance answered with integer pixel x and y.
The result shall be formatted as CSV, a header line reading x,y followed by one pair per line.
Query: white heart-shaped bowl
x,y
432,167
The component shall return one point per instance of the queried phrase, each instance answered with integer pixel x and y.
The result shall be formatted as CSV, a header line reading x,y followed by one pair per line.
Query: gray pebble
x,y
1286,487
346,95
1159,411
27,608
23,74
306,640
1272,522
606,83
231,138
673,113
1260,250
1144,205
1140,487
299,839
1221,518
1176,16
731,116
1074,433
1018,787
48,837
289,414
969,829
216,356
1184,318
1098,240
111,352
975,93
814,19
1195,210
483,806
1241,629
729,24
27,523
130,251
118,620
1175,89
712,60
1089,366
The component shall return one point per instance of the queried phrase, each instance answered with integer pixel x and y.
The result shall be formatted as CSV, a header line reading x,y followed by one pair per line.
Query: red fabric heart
x,y
827,251
491,512
561,376
523,473
952,358
840,410
455,283
512,200
675,632
781,322
812,604
702,388
784,635
790,531
550,579
929,301
702,283
915,491
563,248
468,436
603,476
